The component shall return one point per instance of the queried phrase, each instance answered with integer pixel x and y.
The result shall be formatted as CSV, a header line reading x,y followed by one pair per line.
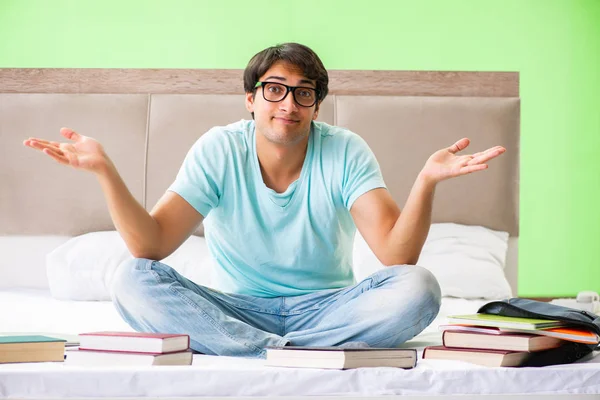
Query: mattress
x,y
33,310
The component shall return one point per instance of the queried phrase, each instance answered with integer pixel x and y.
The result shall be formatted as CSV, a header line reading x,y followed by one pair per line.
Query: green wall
x,y
554,44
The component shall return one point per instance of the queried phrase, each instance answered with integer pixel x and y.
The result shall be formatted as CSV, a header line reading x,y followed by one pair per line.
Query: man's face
x,y
284,122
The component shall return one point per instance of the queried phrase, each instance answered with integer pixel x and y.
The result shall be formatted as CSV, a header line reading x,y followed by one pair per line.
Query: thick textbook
x,y
117,359
501,341
36,348
134,342
340,357
488,358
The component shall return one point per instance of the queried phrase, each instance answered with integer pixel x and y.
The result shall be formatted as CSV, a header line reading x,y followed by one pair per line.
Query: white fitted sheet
x,y
29,310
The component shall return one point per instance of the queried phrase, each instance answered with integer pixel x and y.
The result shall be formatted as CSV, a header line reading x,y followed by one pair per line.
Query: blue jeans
x,y
384,310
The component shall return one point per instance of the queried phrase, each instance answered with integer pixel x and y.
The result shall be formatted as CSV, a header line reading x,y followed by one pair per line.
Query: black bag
x,y
566,353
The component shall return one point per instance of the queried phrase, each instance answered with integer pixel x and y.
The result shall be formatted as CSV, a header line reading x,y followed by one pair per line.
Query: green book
x,y
500,321
28,339
31,348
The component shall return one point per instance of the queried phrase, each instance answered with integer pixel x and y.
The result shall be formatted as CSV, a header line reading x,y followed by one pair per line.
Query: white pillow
x,y
467,260
22,261
83,267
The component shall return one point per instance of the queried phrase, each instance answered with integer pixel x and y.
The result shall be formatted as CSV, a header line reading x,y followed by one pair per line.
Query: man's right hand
x,y
152,235
83,153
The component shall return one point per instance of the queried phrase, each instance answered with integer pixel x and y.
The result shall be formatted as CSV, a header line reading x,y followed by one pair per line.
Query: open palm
x,y
446,164
82,153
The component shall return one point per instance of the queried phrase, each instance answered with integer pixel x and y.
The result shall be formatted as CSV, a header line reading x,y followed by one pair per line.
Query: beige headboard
x,y
148,119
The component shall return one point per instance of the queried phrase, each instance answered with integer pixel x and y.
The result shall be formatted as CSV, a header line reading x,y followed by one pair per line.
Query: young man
x,y
281,197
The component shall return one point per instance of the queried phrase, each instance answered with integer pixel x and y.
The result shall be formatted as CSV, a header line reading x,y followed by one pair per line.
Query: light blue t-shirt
x,y
270,244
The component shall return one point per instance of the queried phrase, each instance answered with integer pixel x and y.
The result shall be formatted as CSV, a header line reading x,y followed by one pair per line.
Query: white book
x,y
134,342
340,357
110,358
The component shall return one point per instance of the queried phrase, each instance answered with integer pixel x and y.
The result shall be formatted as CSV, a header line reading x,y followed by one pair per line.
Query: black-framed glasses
x,y
276,92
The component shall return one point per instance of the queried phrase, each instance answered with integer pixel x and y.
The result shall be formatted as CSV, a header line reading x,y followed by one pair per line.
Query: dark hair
x,y
294,53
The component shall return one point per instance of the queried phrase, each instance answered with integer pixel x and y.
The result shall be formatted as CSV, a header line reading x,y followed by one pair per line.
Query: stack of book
x,y
130,348
340,357
33,348
493,340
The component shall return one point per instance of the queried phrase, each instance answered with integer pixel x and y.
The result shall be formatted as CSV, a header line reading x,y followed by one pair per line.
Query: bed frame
x,y
147,119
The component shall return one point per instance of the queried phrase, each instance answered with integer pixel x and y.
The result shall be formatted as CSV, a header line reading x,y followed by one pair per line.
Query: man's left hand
x,y
445,164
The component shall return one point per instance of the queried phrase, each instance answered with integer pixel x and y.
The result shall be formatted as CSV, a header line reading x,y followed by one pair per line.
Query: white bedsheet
x,y
35,311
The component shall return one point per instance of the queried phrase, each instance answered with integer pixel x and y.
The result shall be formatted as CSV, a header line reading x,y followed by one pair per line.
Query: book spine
x,y
424,352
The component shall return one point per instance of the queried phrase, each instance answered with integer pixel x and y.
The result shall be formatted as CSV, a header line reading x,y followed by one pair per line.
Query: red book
x,y
488,358
501,341
155,343
580,335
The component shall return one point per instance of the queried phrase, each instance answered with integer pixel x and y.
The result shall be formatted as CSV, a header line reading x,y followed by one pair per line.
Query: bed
x,y
60,249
